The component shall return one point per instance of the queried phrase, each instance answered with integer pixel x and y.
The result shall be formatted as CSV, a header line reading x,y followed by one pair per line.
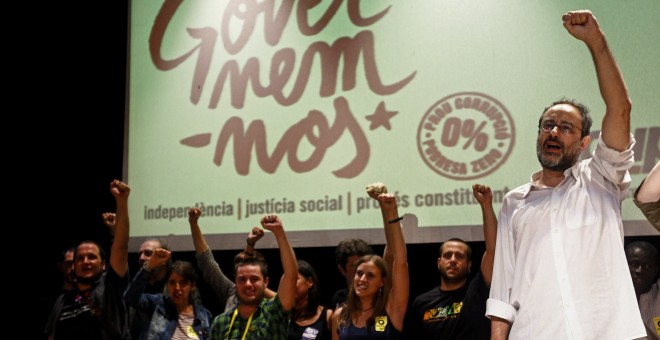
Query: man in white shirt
x,y
560,271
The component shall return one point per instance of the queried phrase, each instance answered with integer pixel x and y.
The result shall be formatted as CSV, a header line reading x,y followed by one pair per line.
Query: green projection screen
x,y
243,108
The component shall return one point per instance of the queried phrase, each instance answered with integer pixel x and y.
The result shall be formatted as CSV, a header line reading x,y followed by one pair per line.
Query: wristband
x,y
395,220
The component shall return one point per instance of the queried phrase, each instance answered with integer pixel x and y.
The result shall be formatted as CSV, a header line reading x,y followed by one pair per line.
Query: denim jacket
x,y
165,316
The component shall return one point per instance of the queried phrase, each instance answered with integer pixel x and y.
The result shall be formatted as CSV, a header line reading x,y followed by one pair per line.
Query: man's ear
x,y
584,144
341,270
265,282
103,265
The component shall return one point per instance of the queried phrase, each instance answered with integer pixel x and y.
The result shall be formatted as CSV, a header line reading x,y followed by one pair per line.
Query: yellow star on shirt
x,y
381,117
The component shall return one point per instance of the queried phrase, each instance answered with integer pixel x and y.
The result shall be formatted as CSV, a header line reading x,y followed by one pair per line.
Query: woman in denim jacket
x,y
175,314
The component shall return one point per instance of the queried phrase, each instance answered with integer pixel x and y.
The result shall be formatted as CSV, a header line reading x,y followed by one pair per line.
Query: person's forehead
x,y
88,248
562,111
368,266
248,270
68,256
174,276
150,245
640,254
454,247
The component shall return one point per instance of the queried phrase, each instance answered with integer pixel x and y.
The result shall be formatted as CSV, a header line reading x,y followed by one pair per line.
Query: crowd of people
x,y
554,264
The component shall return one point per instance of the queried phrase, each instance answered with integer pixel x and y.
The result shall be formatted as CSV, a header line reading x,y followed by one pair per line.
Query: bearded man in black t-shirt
x,y
456,309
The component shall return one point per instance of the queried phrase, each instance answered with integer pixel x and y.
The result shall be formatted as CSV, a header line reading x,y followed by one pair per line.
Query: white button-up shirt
x,y
560,269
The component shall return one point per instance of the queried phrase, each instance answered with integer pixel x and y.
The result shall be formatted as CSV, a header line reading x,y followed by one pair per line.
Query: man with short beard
x,y
559,271
456,309
95,309
255,317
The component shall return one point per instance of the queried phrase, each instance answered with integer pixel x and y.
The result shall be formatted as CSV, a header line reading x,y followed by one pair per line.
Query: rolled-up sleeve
x,y
614,165
499,303
500,309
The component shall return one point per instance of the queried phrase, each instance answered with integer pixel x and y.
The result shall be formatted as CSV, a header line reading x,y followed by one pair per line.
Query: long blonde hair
x,y
353,304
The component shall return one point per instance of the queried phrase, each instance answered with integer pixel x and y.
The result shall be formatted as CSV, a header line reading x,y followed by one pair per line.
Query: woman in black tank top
x,y
310,320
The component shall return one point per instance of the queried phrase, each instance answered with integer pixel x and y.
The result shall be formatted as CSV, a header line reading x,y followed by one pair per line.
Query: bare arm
x,y
499,328
109,221
616,123
286,291
335,323
649,191
119,255
198,238
484,196
255,235
398,301
374,190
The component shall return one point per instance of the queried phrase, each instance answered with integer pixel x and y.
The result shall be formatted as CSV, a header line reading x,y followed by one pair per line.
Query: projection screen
x,y
244,108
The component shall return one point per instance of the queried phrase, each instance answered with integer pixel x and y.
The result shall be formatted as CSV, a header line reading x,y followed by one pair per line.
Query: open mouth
x,y
361,287
553,147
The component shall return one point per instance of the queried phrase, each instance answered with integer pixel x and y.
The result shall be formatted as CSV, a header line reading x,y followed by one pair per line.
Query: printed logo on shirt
x,y
381,323
74,311
656,322
310,333
190,332
442,313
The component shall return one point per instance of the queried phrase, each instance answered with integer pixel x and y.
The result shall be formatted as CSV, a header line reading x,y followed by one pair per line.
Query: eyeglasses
x,y
549,125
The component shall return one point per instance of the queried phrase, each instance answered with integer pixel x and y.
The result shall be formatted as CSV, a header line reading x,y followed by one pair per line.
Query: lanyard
x,y
231,324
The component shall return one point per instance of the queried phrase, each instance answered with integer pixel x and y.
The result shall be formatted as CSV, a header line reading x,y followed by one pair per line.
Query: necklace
x,y
366,310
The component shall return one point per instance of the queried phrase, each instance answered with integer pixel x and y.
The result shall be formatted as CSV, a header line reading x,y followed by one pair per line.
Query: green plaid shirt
x,y
269,321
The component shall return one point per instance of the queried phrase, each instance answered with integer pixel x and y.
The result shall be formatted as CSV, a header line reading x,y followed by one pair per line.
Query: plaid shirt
x,y
269,321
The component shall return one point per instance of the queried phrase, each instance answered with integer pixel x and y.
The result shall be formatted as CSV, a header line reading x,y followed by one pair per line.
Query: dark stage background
x,y
80,128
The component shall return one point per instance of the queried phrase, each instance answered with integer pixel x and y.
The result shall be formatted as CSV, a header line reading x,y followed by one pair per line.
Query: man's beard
x,y
567,159
255,302
459,277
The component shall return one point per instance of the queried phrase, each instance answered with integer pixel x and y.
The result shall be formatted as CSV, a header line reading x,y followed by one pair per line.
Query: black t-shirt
x,y
96,313
78,319
457,314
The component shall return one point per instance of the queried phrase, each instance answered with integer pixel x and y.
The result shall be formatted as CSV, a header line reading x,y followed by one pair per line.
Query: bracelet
x,y
395,220
247,240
